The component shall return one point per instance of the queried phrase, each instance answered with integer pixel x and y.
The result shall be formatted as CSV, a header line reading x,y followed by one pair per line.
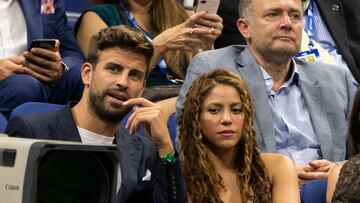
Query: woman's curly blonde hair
x,y
202,180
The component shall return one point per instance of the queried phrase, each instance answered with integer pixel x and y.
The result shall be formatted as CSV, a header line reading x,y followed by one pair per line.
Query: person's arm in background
x,y
331,182
199,31
89,25
49,65
283,178
185,36
11,66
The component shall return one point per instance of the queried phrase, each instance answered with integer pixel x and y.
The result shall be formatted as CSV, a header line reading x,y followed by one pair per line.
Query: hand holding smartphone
x,y
43,43
211,6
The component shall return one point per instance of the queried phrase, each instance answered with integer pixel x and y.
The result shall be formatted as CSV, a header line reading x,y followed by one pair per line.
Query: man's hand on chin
x,y
151,118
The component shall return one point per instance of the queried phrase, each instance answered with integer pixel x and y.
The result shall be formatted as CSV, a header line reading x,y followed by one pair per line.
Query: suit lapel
x,y
130,154
66,128
311,91
31,10
250,70
332,14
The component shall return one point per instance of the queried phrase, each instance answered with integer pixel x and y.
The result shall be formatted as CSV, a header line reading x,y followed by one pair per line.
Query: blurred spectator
x,y
333,26
220,158
40,74
348,185
175,35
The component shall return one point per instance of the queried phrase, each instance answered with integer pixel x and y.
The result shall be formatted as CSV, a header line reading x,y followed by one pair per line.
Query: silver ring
x,y
191,30
212,30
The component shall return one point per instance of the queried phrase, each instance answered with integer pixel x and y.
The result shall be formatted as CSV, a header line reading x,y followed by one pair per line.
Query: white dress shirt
x,y
13,32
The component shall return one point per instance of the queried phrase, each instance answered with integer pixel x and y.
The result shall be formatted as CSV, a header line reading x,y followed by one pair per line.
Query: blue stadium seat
x,y
314,192
171,124
33,107
3,123
74,9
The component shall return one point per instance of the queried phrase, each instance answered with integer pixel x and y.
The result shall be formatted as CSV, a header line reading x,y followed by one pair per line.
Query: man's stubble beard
x,y
97,105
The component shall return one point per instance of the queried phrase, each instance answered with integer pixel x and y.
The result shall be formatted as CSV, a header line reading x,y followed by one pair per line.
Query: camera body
x,y
56,171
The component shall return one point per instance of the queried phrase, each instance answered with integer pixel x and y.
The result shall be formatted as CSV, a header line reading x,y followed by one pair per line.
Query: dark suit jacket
x,y
342,18
52,26
137,155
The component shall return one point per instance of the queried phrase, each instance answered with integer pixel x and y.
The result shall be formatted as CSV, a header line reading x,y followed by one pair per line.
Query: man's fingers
x,y
308,168
18,69
139,101
17,59
57,46
324,169
37,69
142,116
320,163
37,75
312,175
138,111
42,53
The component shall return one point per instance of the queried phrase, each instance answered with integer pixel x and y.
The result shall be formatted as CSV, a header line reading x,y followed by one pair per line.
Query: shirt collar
x,y
294,79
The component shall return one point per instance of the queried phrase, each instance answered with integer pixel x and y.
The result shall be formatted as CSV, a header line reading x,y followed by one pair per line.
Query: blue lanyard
x,y
161,64
310,20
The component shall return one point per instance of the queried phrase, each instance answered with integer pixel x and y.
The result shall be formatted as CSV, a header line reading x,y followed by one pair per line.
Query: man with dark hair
x,y
114,79
302,109
348,185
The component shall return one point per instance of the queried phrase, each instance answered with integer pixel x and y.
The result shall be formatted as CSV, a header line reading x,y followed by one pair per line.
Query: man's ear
x,y
86,73
243,27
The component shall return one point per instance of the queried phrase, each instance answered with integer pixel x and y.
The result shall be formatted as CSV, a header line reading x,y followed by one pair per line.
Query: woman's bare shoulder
x,y
275,163
271,158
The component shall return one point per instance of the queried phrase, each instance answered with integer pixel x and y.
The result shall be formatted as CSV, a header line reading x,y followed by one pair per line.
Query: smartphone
x,y
43,43
211,6
189,4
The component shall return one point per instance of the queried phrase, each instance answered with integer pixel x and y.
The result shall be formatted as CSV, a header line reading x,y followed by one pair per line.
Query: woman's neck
x,y
141,10
222,160
224,163
140,6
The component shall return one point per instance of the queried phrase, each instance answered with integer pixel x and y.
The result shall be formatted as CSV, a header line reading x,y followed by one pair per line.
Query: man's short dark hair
x,y
244,7
348,185
123,37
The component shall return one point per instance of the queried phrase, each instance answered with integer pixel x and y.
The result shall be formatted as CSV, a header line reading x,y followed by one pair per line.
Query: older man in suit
x,y
302,108
114,78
